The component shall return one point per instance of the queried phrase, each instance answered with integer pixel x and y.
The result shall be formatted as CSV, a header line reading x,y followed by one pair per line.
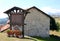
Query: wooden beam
x,y
23,31
10,22
23,28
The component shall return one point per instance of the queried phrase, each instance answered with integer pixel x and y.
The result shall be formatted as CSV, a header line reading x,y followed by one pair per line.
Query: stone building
x,y
36,22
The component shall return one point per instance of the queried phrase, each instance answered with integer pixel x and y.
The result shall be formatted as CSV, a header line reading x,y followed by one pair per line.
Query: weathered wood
x,y
17,16
17,19
10,23
23,31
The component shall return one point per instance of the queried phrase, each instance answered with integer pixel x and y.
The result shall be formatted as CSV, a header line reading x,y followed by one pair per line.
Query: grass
x,y
51,38
3,37
57,20
57,33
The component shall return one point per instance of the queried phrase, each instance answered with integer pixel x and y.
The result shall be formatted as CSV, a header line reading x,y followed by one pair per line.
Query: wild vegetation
x,y
4,37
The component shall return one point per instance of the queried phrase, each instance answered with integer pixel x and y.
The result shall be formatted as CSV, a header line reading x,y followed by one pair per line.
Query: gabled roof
x,y
39,11
53,25
14,8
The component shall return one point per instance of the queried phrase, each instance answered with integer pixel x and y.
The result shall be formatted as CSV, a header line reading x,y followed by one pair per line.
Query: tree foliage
x,y
54,25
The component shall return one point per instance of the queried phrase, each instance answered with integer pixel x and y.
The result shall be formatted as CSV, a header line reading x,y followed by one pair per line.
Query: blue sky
x,y
48,6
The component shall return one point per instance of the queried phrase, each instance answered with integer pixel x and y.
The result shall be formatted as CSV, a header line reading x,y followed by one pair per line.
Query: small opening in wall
x,y
15,11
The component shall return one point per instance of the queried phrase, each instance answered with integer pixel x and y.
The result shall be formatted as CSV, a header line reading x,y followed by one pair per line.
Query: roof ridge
x,y
39,10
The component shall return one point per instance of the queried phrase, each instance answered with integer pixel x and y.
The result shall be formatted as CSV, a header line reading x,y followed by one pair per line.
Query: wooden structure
x,y
16,16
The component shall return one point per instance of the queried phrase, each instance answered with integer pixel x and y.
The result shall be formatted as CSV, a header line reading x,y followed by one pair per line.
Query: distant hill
x,y
56,16
3,20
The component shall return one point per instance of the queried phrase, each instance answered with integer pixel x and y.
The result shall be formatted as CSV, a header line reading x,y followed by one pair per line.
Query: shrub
x,y
58,26
10,33
17,33
54,25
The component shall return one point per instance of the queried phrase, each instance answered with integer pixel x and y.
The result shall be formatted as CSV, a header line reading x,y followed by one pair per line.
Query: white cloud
x,y
51,10
2,15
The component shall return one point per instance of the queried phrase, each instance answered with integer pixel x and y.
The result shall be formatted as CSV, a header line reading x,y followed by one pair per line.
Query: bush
x,y
58,26
17,33
10,33
53,25
14,33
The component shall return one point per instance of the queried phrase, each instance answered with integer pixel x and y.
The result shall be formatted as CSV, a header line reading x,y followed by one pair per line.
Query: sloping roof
x,y
13,8
53,25
40,11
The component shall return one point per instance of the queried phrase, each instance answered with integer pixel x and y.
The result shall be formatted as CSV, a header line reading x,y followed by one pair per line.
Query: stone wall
x,y
37,24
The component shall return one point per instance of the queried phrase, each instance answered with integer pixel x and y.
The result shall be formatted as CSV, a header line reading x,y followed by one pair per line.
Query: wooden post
x,y
23,31
23,27
10,23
